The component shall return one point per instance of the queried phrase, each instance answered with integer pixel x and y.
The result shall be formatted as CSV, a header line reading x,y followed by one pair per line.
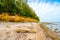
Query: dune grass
x,y
15,18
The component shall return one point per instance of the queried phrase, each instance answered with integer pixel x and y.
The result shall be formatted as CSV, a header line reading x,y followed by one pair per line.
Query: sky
x,y
46,10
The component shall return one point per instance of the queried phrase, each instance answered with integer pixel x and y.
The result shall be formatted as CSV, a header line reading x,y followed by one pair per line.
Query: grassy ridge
x,y
19,7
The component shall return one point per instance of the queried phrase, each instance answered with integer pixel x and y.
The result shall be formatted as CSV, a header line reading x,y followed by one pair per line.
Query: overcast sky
x,y
47,10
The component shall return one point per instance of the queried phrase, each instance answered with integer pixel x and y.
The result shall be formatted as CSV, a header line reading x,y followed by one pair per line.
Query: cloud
x,y
47,12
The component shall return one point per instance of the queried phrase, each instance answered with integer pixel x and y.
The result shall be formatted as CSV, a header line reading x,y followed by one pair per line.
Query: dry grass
x,y
15,18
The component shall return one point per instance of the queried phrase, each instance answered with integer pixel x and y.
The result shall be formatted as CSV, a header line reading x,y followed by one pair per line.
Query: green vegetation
x,y
17,7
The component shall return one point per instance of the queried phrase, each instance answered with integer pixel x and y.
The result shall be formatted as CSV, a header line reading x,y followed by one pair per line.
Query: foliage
x,y
19,7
